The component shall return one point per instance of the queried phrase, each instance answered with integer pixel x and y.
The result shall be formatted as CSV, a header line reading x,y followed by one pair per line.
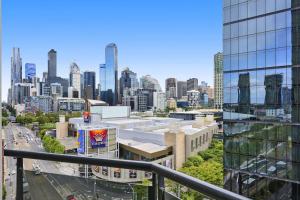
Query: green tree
x,y
4,113
3,192
193,161
4,122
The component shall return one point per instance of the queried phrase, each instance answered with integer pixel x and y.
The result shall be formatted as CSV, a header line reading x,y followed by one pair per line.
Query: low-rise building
x,y
70,104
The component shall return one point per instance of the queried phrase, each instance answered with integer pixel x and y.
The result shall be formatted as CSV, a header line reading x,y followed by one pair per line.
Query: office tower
x,y
56,90
149,94
159,101
30,71
52,64
181,89
81,86
218,80
128,80
21,92
89,79
16,72
75,78
171,88
109,75
193,98
45,77
192,84
148,82
261,69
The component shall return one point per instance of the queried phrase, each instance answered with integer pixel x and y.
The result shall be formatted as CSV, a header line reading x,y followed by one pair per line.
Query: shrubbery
x,y
52,145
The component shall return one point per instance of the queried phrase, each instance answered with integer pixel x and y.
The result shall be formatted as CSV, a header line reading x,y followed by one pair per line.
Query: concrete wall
x,y
177,141
61,130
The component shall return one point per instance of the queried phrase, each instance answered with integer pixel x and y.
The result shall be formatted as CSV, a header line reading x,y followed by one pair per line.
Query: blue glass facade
x,y
30,71
109,75
261,98
89,79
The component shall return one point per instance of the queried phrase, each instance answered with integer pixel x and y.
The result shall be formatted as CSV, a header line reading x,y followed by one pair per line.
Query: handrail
x,y
183,179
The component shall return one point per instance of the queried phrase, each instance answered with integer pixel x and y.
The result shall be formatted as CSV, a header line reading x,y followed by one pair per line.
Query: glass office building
x,y
109,75
30,71
261,41
89,82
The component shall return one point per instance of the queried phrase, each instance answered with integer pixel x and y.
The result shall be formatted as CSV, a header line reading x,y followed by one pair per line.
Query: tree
x,y
4,122
4,113
193,161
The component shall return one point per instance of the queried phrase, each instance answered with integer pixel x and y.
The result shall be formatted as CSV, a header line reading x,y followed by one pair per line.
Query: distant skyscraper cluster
x,y
61,93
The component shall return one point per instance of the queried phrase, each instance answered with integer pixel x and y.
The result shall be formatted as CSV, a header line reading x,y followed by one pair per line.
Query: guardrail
x,y
159,172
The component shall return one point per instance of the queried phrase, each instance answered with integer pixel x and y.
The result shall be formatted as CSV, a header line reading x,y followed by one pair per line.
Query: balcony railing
x,y
159,173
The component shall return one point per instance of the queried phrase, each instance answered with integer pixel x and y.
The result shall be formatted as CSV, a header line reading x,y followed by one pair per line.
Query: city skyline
x,y
138,54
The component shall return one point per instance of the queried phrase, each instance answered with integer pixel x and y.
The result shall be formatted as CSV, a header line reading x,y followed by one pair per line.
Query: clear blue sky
x,y
163,38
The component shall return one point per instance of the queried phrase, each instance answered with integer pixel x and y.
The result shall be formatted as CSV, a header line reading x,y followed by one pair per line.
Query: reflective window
x,y
270,58
226,3
234,62
261,59
270,22
226,63
234,13
270,6
226,95
261,7
260,90
251,8
261,24
251,60
261,41
288,37
281,38
260,74
243,61
280,4
234,30
226,14
252,42
243,10
226,80
234,46
252,78
270,40
281,56
226,32
280,20
288,19
243,30
251,26
234,79
243,44
288,55
226,47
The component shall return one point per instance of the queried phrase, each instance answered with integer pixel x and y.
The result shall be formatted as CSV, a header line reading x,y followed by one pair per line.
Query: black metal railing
x,y
159,172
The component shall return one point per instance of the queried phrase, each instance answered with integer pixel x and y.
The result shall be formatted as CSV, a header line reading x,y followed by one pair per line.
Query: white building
x,y
159,101
56,90
70,104
75,78
193,97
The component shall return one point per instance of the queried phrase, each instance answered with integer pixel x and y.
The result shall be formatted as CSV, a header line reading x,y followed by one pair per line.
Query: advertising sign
x,y
80,141
86,117
98,138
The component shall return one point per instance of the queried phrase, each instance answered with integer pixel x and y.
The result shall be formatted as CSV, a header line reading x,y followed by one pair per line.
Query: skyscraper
x,y
148,82
16,72
109,75
90,83
171,88
192,84
75,80
181,89
261,70
128,80
52,64
30,71
218,80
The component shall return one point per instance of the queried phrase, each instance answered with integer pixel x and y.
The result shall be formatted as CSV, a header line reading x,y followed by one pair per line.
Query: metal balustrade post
x,y
161,187
152,191
19,195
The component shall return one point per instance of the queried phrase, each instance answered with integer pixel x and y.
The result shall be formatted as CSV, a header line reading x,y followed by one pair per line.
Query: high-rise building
x,y
45,77
109,75
56,90
21,92
192,84
16,72
148,82
75,80
218,80
128,80
52,64
159,101
194,98
261,109
30,71
89,78
171,88
181,89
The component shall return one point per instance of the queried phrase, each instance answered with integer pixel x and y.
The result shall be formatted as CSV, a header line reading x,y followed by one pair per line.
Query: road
x,y
55,180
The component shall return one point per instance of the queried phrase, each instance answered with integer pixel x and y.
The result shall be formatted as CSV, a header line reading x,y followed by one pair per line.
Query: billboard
x,y
98,138
80,141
